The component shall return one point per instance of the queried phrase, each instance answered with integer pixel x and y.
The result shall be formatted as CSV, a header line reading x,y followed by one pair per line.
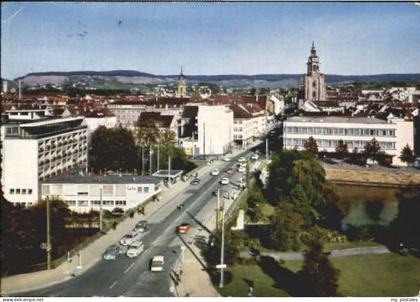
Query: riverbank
x,y
371,177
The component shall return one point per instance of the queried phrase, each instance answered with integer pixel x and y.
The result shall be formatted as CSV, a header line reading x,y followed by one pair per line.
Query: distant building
x,y
100,118
127,113
313,83
36,150
83,193
356,132
182,86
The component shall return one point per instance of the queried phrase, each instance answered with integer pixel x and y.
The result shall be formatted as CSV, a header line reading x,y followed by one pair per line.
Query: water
x,y
384,199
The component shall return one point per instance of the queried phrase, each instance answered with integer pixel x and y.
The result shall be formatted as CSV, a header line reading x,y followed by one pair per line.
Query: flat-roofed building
x,y
356,132
37,150
83,193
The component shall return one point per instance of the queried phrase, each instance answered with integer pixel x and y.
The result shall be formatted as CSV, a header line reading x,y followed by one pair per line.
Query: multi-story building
x,y
356,132
127,113
248,124
36,150
83,193
215,129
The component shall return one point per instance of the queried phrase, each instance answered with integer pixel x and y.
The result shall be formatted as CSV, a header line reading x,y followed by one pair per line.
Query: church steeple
x,y
182,85
313,61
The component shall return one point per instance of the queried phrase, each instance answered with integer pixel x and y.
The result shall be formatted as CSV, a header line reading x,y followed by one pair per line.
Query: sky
x,y
209,38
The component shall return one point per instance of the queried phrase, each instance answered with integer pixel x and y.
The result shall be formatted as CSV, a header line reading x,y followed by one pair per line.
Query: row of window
x,y
92,189
323,143
86,203
20,191
340,131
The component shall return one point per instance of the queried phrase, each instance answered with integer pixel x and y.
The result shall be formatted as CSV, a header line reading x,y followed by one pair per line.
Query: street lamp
x,y
222,250
100,208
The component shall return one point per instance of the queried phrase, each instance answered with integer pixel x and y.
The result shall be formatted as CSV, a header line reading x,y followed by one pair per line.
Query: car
x,y
183,228
135,249
195,181
254,156
241,169
141,228
242,160
229,171
142,224
215,172
157,263
130,237
226,159
224,181
111,252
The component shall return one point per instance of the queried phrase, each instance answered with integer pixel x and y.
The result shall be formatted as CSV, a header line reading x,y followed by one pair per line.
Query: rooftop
x,y
102,179
336,119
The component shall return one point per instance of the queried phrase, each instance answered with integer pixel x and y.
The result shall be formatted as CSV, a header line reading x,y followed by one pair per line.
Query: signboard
x,y
220,266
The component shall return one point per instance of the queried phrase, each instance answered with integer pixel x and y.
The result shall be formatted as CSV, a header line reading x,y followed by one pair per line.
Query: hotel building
x,y
356,132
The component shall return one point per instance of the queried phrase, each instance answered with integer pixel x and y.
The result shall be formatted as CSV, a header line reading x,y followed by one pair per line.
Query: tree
x,y
254,201
285,228
341,149
311,146
147,134
407,155
372,149
318,274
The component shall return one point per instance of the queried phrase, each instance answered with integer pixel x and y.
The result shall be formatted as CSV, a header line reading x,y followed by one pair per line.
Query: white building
x,y
37,150
215,129
83,193
392,135
127,113
95,121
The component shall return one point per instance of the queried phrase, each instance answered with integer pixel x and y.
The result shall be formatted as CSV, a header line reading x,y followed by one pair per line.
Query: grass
x,y
381,275
267,209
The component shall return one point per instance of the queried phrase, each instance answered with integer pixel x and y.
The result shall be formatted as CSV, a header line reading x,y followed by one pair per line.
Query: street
x,y
132,277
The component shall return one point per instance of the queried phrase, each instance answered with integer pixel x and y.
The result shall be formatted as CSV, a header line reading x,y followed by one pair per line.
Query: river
x,y
369,204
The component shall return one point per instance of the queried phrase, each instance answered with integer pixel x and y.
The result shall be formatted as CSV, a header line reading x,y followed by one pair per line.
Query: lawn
x,y
329,246
366,275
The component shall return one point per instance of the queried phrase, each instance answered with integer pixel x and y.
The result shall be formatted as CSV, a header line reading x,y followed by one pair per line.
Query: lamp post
x,y
100,209
222,249
48,235
217,209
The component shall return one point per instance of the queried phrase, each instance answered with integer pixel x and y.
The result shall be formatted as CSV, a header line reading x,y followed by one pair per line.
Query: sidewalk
x,y
92,253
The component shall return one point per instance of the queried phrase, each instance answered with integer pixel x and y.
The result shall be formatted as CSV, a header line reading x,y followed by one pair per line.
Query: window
x,y
139,189
108,190
45,189
146,189
12,191
71,202
120,202
83,203
17,191
120,190
24,191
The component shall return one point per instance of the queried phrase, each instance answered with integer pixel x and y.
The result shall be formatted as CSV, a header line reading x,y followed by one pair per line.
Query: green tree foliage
x,y
334,209
318,274
372,149
113,149
286,228
254,200
405,227
407,155
341,149
311,146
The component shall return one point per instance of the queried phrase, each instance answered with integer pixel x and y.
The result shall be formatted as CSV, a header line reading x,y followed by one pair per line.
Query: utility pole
x,y
169,168
217,209
222,251
266,148
204,140
142,160
158,158
151,161
100,209
48,236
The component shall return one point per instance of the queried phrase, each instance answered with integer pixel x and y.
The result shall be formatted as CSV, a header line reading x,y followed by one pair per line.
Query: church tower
x,y
182,86
314,81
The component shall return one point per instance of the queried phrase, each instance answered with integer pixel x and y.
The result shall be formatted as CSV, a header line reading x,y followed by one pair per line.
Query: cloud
x,y
12,16
417,3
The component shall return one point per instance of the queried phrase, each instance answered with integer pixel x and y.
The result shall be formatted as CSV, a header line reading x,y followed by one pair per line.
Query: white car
x,y
215,172
242,160
224,181
254,156
157,264
135,249
226,159
130,238
241,169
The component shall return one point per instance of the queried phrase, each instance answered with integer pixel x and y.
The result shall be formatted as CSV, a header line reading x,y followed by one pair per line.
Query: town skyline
x,y
228,38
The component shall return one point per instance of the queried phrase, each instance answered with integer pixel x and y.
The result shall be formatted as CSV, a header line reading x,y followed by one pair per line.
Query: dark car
x,y
111,252
195,181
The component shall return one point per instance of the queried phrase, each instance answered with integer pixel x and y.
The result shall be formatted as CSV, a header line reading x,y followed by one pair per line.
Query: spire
x,y
182,73
313,50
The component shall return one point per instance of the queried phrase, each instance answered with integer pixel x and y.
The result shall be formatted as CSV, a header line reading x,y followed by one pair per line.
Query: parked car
x,y
157,263
135,249
183,228
241,169
117,212
224,181
226,159
215,172
242,160
141,228
111,252
142,223
229,171
130,237
195,181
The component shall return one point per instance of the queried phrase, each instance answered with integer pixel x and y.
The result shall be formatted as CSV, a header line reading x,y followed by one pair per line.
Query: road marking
x,y
129,268
113,284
